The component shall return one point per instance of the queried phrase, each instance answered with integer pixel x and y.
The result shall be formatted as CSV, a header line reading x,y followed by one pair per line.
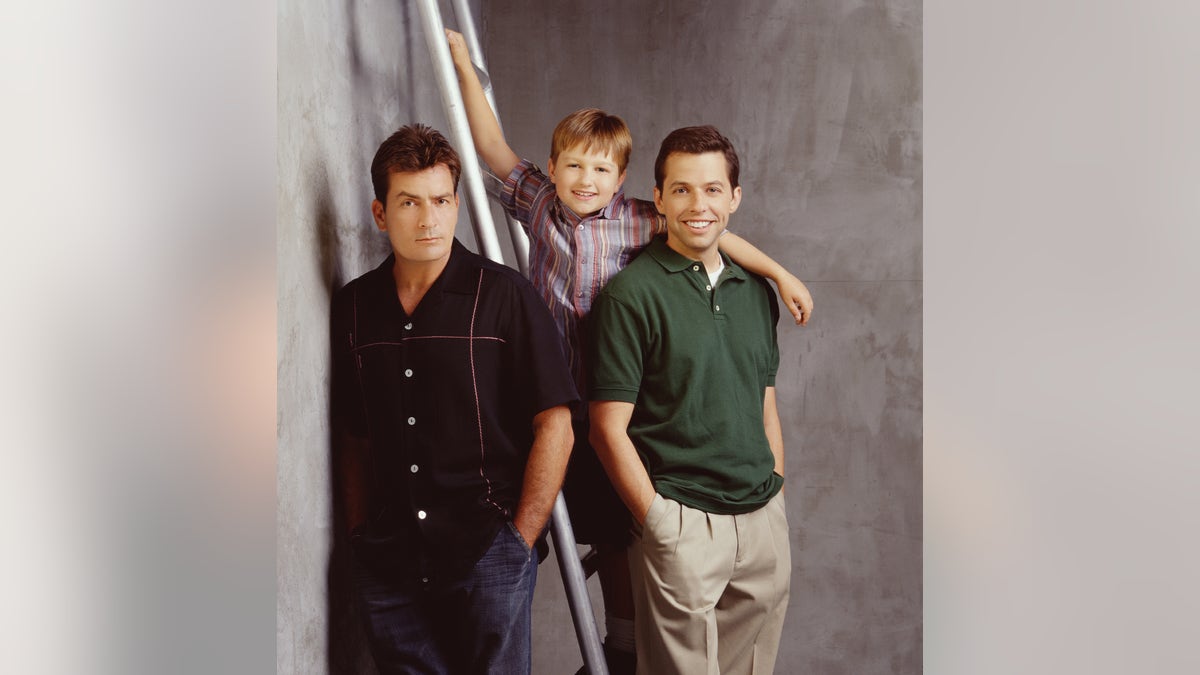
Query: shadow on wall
x,y
346,643
378,95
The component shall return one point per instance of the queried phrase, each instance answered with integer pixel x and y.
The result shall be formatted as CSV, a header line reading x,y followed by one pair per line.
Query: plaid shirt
x,y
572,258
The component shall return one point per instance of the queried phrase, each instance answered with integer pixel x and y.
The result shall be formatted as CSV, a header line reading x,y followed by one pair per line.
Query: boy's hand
x,y
797,298
489,140
458,49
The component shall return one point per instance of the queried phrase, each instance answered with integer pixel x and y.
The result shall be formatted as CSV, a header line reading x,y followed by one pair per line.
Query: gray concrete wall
x,y
350,73
823,102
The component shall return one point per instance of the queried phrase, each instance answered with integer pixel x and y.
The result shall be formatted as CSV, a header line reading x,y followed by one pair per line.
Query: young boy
x,y
583,230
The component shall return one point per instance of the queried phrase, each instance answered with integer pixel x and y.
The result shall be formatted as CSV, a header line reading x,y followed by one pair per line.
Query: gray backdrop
x,y
822,100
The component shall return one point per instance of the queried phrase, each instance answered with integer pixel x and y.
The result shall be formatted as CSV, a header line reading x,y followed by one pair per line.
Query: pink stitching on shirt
x,y
475,385
453,337
428,337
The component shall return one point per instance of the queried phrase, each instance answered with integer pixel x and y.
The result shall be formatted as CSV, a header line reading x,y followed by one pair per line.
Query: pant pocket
x,y
517,533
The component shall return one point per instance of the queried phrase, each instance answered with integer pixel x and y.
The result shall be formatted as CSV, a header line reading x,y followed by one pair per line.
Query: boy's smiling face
x,y
585,180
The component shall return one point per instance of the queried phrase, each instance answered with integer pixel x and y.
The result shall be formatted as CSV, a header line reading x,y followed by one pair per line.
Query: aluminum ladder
x,y
570,565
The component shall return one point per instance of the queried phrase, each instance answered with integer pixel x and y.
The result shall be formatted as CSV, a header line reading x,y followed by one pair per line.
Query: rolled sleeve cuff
x,y
614,394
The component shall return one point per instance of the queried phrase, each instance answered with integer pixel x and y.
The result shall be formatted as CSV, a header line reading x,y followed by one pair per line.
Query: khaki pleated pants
x,y
710,590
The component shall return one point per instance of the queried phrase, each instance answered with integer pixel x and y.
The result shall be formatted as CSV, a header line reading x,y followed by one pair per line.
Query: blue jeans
x,y
479,624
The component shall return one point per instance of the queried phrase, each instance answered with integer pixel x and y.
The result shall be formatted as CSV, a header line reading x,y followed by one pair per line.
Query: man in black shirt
x,y
448,368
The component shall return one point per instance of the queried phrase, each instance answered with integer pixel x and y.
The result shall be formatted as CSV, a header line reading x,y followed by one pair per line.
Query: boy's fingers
x,y
801,313
797,311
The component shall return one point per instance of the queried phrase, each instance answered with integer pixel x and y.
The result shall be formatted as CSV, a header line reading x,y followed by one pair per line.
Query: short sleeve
x,y
618,336
521,190
660,226
645,210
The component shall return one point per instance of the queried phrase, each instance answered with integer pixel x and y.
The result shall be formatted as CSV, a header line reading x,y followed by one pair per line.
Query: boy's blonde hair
x,y
595,130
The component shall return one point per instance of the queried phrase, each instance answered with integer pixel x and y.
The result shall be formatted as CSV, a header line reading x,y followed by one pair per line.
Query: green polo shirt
x,y
695,362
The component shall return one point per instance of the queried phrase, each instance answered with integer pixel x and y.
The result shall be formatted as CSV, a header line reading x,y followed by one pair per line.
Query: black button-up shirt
x,y
446,397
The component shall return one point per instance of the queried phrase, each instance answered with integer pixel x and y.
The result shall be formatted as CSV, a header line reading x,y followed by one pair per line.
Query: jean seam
x,y
512,527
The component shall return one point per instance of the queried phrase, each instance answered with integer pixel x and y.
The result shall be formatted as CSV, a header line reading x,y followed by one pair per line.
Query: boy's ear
x,y
550,169
621,180
378,212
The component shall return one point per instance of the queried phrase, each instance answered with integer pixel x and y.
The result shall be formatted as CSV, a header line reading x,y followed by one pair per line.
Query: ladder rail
x,y
574,580
460,130
466,25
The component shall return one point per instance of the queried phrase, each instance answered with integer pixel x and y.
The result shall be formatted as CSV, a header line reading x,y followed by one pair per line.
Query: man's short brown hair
x,y
696,141
411,149
596,130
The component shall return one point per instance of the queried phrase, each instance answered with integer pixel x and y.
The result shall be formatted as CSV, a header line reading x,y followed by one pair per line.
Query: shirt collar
x,y
457,276
460,275
672,261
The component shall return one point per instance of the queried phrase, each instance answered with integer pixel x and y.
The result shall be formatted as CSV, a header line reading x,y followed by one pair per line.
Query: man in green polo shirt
x,y
684,420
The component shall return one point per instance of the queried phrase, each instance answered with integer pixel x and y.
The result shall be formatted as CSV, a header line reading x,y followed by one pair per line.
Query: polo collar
x,y
672,261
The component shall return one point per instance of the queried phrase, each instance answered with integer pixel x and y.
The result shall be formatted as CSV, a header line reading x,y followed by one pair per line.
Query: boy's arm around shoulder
x,y
485,129
792,291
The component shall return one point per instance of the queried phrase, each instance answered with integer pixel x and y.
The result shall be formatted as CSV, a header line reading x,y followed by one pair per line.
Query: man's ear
x,y
378,211
658,201
737,199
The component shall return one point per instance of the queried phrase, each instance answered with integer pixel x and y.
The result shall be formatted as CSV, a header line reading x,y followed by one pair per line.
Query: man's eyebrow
x,y
402,193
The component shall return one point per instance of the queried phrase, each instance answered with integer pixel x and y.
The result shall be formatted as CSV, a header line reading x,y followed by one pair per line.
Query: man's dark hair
x,y
696,141
412,148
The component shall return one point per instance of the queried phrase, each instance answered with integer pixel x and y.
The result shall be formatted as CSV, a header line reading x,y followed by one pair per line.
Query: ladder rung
x,y
588,562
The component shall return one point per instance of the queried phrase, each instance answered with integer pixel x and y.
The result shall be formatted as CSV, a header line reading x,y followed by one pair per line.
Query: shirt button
x,y
408,372
718,307
581,227
408,326
413,468
695,268
413,420
421,515
424,580
708,288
